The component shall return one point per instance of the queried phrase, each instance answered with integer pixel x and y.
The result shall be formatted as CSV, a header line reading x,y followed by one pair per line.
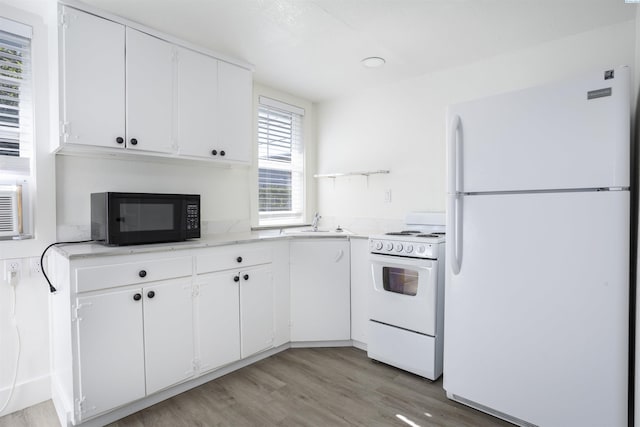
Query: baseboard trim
x,y
26,393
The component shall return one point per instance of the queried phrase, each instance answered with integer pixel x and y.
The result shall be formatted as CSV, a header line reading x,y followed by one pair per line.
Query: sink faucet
x,y
314,223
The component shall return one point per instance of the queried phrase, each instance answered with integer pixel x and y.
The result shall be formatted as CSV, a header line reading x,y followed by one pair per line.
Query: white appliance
x,y
538,226
406,301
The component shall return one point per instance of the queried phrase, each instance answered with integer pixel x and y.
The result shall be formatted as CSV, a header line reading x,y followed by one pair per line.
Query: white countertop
x,y
83,250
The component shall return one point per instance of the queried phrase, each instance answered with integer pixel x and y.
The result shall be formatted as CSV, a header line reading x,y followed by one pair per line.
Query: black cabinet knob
x,y
137,297
222,153
151,294
142,273
119,140
246,277
134,141
239,259
214,152
236,278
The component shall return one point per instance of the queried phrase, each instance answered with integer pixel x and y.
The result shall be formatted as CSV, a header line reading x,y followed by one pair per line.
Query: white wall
x,y
224,191
32,293
401,127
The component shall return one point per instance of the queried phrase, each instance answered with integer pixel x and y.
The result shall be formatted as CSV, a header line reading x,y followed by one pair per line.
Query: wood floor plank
x,y
299,387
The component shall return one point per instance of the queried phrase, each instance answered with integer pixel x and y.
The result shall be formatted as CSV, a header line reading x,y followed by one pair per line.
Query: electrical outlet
x,y
12,269
34,265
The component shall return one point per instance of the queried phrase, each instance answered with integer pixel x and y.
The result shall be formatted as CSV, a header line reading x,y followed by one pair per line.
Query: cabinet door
x,y
320,294
92,80
361,285
218,320
150,93
234,112
256,310
110,349
197,105
168,333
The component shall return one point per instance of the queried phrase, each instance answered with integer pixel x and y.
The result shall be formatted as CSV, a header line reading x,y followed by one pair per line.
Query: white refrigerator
x,y
538,230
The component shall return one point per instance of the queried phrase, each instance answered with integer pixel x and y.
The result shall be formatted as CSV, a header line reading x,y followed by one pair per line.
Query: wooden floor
x,y
299,387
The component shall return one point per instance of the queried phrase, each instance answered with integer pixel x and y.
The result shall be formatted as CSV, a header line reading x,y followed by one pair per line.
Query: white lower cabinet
x,y
110,351
361,285
320,290
132,343
168,333
256,309
217,320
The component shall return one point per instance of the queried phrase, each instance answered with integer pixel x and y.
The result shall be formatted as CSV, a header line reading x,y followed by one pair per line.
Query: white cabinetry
x,y
150,93
132,329
234,111
320,294
236,282
163,99
197,105
92,80
361,285
217,317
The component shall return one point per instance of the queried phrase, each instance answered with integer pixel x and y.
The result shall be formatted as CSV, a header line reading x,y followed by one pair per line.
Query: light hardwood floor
x,y
299,387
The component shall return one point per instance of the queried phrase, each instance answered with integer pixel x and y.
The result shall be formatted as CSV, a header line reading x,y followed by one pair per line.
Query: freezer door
x,y
569,135
536,321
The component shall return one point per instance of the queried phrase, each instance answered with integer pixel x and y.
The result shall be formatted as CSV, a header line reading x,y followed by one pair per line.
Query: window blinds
x,y
16,118
280,164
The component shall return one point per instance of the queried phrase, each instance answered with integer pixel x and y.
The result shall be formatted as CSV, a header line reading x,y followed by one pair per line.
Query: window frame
x,y
296,166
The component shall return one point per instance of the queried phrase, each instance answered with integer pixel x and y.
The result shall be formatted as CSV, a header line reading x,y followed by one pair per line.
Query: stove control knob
x,y
378,245
420,249
408,249
398,247
388,246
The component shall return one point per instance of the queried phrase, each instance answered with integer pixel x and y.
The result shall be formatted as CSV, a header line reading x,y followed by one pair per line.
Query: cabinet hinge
x,y
63,19
64,131
196,365
75,311
79,406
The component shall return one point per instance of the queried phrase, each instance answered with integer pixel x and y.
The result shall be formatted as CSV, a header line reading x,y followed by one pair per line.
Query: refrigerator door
x,y
536,321
563,136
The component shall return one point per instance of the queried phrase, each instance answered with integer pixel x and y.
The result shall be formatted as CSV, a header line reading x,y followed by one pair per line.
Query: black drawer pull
x,y
246,277
142,273
236,278
239,259
137,297
151,294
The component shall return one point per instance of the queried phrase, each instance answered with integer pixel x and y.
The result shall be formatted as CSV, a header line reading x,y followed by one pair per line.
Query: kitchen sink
x,y
314,232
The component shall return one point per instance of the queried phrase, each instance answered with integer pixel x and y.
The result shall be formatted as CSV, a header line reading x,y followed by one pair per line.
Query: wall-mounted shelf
x,y
341,174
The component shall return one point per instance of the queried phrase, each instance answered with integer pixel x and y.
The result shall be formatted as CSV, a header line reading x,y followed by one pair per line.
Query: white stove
x,y
406,303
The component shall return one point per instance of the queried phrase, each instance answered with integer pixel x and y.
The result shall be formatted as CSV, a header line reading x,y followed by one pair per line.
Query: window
x,y
280,163
16,129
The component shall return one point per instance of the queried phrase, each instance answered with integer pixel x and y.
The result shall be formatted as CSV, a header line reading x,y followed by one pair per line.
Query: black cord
x,y
52,289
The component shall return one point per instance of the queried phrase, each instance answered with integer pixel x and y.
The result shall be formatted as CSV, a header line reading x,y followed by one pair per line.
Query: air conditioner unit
x,y
11,211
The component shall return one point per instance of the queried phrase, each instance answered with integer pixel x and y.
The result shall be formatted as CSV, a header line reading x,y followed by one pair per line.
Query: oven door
x,y
404,293
145,218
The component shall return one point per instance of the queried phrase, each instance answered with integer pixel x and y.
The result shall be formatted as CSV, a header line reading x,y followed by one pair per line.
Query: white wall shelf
x,y
342,174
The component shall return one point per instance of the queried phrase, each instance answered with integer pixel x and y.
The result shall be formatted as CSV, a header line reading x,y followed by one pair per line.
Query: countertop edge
x,y
90,250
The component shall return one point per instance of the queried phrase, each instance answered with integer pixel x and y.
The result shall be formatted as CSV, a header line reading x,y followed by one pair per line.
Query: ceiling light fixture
x,y
373,62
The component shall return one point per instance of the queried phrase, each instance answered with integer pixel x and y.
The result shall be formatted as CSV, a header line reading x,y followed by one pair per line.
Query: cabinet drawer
x,y
107,276
231,257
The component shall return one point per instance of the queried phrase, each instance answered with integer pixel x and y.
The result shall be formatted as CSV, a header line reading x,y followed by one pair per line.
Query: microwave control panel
x,y
193,216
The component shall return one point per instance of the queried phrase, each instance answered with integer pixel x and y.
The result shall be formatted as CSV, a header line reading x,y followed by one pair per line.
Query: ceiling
x,y
313,48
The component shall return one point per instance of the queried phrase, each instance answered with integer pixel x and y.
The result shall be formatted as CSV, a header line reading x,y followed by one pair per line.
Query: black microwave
x,y
137,218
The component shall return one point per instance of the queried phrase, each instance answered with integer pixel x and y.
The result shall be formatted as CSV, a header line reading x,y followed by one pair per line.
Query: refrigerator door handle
x,y
454,211
454,232
455,155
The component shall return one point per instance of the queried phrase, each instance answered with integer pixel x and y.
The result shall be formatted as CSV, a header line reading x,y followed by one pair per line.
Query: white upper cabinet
x,y
234,111
92,80
197,126
123,88
150,93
